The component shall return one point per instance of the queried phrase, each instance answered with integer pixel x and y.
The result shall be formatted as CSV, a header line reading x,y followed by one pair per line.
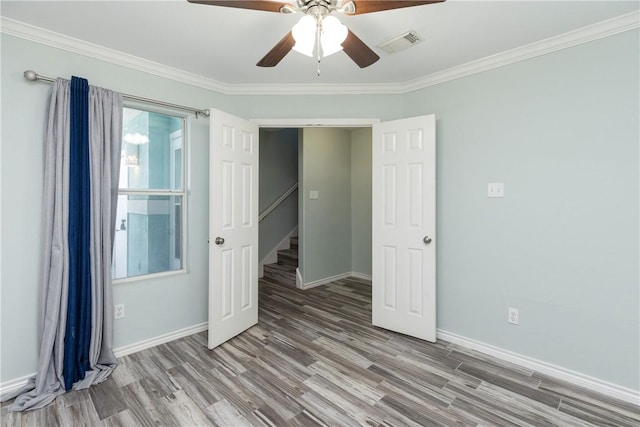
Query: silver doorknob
x,y
426,240
219,241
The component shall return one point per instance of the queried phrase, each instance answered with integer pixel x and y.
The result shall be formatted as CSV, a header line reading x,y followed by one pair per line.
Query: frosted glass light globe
x,y
333,34
304,33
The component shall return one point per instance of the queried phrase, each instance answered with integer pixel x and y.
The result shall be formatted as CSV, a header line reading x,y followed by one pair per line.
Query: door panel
x,y
233,225
404,266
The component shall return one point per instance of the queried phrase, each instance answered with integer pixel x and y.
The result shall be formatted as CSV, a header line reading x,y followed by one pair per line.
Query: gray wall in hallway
x,y
361,201
336,236
278,172
326,235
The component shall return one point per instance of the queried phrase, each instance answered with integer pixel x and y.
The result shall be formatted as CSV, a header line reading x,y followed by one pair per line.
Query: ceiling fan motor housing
x,y
320,8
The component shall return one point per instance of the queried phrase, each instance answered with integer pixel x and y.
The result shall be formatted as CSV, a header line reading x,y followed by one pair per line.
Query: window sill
x,y
145,277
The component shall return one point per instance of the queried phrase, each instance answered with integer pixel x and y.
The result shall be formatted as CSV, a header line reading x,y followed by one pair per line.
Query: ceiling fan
x,y
319,29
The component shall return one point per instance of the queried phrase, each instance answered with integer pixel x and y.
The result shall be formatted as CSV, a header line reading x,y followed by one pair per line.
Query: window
x,y
150,220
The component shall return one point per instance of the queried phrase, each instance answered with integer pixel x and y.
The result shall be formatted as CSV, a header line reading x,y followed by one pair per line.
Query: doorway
x,y
403,205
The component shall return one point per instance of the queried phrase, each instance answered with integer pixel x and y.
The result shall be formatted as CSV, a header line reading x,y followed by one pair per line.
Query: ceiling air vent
x,y
400,42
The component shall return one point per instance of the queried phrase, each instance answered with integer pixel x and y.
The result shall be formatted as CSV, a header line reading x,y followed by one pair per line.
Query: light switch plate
x,y
495,189
314,194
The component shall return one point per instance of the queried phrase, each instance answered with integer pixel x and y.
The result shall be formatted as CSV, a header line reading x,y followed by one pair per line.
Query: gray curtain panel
x,y
105,131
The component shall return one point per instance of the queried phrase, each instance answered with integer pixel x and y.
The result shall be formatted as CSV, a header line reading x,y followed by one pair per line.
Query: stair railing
x,y
277,203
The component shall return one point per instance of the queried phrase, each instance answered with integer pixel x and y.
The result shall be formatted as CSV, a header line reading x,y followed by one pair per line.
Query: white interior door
x,y
404,226
233,225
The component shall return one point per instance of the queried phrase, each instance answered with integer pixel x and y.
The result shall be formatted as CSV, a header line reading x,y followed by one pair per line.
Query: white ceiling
x,y
224,44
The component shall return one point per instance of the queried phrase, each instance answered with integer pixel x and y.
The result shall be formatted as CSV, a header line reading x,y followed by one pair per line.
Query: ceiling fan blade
x,y
266,5
279,51
358,51
369,6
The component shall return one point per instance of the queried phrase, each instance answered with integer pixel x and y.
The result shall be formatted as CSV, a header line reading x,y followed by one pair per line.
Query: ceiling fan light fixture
x,y
287,8
304,33
348,8
334,33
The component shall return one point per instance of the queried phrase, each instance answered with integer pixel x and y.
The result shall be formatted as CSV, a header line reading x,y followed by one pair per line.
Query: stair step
x,y
288,255
284,271
276,273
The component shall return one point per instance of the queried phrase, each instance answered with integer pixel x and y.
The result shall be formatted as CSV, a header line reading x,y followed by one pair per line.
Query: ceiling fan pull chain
x,y
318,31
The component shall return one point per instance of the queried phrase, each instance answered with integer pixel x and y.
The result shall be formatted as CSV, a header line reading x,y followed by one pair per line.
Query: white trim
x,y
327,280
305,123
277,203
595,384
160,339
626,22
629,21
323,281
15,384
81,47
317,89
361,276
573,377
272,257
151,276
299,280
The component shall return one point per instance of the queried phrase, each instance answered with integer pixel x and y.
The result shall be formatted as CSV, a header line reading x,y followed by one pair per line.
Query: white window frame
x,y
184,192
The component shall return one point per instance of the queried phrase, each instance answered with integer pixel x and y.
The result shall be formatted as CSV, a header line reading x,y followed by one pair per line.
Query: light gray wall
x,y
336,236
154,306
278,172
148,302
561,132
361,201
326,167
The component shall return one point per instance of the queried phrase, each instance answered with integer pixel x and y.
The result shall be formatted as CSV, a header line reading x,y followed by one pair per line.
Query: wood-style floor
x,y
314,359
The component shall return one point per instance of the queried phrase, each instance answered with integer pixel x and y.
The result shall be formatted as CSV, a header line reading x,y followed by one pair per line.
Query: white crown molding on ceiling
x,y
626,22
70,44
586,34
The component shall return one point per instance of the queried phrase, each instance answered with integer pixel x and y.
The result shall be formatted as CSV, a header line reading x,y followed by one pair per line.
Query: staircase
x,y
284,271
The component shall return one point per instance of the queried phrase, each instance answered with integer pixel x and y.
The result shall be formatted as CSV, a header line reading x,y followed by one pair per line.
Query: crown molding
x,y
316,89
599,30
60,41
627,22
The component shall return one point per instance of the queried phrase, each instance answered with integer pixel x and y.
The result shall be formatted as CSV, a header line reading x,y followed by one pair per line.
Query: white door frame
x,y
307,123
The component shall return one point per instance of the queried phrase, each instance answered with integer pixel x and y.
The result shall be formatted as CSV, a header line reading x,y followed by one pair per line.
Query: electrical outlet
x,y
514,315
118,311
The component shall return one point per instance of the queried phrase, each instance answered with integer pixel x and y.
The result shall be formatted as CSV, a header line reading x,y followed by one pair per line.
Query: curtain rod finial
x,y
31,75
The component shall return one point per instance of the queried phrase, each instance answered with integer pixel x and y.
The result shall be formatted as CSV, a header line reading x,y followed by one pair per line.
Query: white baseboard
x,y
301,285
272,257
299,280
595,384
160,339
361,275
15,384
323,281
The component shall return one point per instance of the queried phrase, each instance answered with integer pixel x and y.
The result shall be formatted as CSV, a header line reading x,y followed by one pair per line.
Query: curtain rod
x,y
33,76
